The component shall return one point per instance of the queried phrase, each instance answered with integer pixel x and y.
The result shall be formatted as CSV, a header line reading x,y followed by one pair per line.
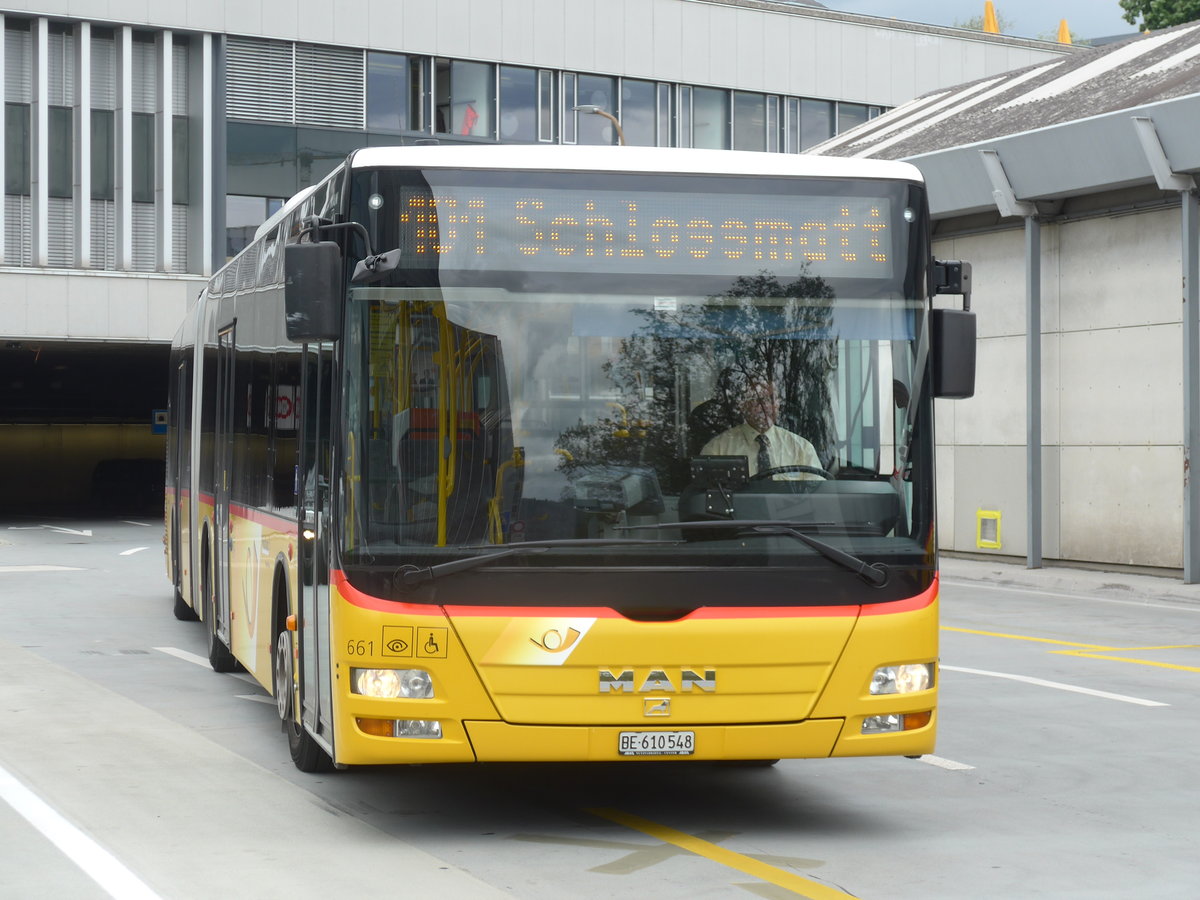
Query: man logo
x,y
554,642
656,681
656,706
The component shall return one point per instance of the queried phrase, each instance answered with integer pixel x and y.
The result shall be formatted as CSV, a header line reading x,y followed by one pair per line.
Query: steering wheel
x,y
779,470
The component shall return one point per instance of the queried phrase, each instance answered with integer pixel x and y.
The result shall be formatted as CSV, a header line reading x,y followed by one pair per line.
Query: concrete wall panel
x,y
46,305
751,61
1123,505
638,41
579,47
484,26
351,23
454,27
722,41
89,308
860,65
669,48
996,414
994,478
1122,386
608,39
516,35
281,19
695,30
246,18
549,28
945,498
1121,271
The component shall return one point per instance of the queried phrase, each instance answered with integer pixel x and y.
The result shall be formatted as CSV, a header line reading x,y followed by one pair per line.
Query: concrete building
x,y
1070,185
143,143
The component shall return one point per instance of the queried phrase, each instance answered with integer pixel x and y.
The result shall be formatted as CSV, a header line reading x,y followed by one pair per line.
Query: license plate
x,y
656,743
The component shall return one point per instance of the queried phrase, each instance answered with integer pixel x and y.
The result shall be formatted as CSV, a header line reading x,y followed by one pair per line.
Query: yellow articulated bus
x,y
574,453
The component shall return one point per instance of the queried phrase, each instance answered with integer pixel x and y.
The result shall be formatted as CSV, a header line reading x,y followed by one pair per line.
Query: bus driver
x,y
764,444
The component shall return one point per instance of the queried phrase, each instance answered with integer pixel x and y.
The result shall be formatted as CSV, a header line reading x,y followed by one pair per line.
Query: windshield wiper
x,y
875,574
413,576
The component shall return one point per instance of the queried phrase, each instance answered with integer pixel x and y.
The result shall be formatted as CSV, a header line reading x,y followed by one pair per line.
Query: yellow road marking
x,y
1023,637
803,886
1081,649
1127,659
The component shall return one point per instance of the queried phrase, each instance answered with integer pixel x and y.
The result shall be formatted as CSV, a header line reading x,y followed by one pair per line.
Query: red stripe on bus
x,y
356,597
262,517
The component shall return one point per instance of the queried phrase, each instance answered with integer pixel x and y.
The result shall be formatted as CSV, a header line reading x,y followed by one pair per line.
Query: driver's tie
x,y
764,454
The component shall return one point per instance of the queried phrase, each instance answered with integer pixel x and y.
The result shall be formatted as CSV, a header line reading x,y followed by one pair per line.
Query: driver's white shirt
x,y
786,449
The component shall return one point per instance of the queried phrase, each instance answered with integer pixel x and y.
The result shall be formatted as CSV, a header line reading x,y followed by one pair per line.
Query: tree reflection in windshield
x,y
758,331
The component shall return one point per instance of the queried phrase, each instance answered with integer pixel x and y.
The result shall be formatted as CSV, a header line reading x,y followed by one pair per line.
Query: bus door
x,y
316,541
222,475
181,471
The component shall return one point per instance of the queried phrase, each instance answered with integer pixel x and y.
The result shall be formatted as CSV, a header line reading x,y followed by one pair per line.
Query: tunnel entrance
x,y
77,428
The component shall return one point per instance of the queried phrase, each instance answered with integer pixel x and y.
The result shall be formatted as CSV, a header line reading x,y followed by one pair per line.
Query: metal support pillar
x,y
1008,205
1190,226
1033,390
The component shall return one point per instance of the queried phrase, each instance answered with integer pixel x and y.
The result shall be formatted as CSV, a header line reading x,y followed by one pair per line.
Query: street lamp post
x,y
597,111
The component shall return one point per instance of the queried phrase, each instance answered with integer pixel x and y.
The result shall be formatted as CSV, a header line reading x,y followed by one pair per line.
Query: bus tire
x,y
219,656
307,754
183,612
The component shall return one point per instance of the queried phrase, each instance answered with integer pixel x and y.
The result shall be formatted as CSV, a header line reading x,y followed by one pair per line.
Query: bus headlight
x,y
904,679
410,684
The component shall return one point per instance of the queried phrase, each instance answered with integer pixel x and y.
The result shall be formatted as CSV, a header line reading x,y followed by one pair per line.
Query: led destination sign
x,y
541,229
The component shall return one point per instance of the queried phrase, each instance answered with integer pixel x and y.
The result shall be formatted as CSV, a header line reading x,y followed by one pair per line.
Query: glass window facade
x,y
143,158
639,113
519,109
710,118
389,91
816,122
466,98
16,148
749,121
600,91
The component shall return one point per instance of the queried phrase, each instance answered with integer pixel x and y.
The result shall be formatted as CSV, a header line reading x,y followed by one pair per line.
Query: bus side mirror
x,y
952,344
311,293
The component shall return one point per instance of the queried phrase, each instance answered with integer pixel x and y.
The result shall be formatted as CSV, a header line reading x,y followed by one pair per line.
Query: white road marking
x,y
87,532
945,763
1057,685
133,551
143,524
104,868
198,660
16,570
959,582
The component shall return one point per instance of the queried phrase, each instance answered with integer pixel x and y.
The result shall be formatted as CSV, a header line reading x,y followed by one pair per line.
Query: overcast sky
x,y
1029,18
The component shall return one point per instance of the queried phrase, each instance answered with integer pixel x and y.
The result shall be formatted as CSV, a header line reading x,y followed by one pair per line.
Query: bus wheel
x,y
307,754
219,656
183,612
285,679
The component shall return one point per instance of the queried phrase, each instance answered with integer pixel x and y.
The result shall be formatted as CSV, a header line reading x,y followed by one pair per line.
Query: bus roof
x,y
554,157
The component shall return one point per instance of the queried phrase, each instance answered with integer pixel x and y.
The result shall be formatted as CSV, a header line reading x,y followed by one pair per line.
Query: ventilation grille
x,y
258,80
18,221
143,237
145,82
295,84
103,227
61,232
179,78
179,239
17,66
103,73
329,86
61,68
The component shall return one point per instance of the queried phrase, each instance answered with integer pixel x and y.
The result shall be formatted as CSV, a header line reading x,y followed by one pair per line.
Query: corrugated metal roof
x,y
1133,73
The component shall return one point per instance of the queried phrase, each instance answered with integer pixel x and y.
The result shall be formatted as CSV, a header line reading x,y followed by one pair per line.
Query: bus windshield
x,y
599,362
